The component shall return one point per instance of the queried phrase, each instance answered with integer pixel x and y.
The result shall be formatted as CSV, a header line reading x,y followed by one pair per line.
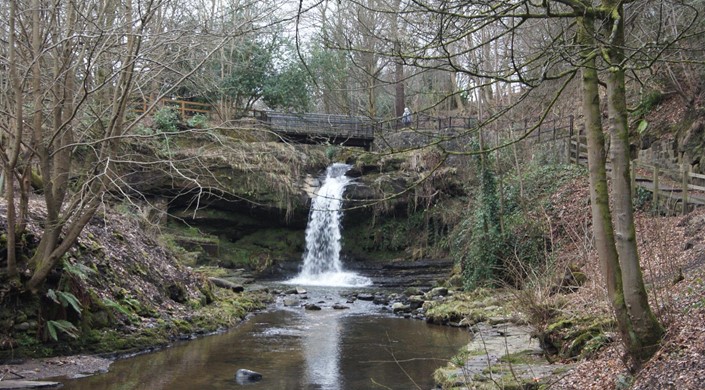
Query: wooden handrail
x,y
186,108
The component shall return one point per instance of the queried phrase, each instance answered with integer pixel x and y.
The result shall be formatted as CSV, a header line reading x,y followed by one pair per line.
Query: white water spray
x,y
322,265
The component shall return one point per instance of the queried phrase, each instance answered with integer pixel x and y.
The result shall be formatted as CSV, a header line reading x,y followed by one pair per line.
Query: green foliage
x,y
489,254
142,130
331,68
288,89
109,303
642,198
197,121
248,69
25,340
167,119
331,151
65,299
54,327
642,126
648,102
480,261
78,270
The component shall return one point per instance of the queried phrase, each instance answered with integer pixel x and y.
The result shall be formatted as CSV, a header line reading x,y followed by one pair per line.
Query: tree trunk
x,y
599,195
399,91
13,152
643,340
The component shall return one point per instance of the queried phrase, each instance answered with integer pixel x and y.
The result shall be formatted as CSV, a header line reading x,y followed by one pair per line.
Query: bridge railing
x,y
433,123
329,125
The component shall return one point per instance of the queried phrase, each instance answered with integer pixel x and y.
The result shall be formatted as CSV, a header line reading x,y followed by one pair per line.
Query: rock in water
x,y
244,376
365,297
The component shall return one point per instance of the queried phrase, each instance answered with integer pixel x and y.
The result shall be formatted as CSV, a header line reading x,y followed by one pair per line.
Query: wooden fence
x,y
677,190
185,108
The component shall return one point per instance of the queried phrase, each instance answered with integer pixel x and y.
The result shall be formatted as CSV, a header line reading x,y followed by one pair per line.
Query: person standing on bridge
x,y
406,117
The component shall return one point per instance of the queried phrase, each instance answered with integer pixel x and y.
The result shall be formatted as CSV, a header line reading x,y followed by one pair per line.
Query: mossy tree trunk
x,y
599,193
615,244
645,331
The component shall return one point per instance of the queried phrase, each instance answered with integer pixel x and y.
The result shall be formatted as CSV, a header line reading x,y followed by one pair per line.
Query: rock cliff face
x,y
246,204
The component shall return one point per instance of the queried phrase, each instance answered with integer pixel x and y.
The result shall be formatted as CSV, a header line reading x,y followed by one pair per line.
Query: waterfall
x,y
322,266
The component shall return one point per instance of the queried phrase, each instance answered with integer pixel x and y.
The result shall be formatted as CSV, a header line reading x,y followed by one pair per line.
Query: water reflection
x,y
321,347
295,349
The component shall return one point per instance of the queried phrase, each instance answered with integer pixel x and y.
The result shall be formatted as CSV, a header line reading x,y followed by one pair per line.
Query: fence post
x,y
570,140
684,187
656,192
632,178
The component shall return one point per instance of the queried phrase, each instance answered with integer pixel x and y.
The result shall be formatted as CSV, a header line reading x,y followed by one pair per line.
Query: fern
x,y
63,326
116,306
65,299
79,270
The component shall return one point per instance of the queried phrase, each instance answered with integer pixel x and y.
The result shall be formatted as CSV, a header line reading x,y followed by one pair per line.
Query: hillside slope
x,y
118,290
672,252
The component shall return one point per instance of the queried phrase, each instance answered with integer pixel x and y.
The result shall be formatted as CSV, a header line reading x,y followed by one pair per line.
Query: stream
x,y
342,344
362,347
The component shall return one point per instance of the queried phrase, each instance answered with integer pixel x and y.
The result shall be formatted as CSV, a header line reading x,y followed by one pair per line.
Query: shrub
x,y
478,241
167,119
197,121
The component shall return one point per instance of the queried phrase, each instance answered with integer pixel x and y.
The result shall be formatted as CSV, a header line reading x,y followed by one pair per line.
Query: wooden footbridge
x,y
350,130
314,128
321,128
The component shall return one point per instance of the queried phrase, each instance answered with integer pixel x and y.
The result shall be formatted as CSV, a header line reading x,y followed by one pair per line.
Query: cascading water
x,y
322,265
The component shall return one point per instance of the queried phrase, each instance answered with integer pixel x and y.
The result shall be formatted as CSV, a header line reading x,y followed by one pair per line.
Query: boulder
x,y
411,291
416,301
244,376
338,306
438,292
223,283
291,301
365,297
399,307
312,306
573,278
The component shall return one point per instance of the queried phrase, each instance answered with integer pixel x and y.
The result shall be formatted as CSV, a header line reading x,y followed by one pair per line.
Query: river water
x,y
361,347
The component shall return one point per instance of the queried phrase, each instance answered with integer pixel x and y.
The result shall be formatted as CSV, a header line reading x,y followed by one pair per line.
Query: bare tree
x,y
76,69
